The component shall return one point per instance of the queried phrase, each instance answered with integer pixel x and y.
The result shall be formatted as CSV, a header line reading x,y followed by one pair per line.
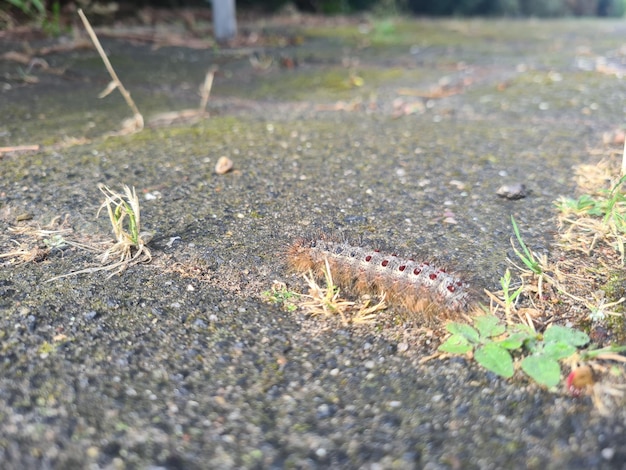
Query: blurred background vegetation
x,y
48,12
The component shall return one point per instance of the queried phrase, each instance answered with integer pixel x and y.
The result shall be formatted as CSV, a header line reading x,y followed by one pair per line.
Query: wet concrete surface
x,y
180,363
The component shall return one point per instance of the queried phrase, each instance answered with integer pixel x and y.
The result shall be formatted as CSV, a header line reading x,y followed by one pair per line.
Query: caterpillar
x,y
416,287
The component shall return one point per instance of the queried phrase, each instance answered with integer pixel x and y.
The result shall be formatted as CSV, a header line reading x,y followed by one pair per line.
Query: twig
x,y
206,88
624,160
19,148
116,83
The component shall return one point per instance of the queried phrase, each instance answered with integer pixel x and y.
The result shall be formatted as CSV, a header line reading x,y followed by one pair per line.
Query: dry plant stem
x,y
19,148
206,88
624,159
116,81
327,301
524,317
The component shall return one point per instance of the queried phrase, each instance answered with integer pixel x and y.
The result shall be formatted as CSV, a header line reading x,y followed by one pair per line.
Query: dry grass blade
x,y
188,116
37,242
328,302
205,90
367,313
25,254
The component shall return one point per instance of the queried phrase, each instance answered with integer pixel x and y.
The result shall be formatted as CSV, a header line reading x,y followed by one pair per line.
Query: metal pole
x,y
224,19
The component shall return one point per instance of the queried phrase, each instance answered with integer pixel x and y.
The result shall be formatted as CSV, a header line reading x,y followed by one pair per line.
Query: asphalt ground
x,y
392,134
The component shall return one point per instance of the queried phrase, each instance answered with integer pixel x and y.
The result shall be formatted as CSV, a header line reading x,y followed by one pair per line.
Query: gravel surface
x,y
180,363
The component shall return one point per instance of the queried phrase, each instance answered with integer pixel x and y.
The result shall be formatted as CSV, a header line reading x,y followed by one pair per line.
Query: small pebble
x,y
512,191
90,315
223,165
608,453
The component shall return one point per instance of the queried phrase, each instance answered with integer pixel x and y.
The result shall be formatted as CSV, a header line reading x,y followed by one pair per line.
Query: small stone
x,y
93,452
460,185
512,191
323,411
90,315
608,453
403,347
224,165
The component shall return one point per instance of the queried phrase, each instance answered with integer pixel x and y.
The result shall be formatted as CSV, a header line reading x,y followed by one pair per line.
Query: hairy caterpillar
x,y
410,285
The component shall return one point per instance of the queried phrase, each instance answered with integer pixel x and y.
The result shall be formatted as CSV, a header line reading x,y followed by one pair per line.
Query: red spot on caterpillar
x,y
384,263
368,258
417,271
450,288
401,268
432,276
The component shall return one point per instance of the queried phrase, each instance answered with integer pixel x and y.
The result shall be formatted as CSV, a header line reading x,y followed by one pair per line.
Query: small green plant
x,y
494,345
557,343
510,298
124,214
537,266
527,257
610,205
280,295
30,7
130,243
52,24
603,216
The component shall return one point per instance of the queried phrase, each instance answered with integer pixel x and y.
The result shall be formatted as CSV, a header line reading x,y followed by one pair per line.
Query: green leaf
x,y
527,258
489,325
562,334
587,204
496,359
456,344
558,351
513,341
461,329
542,370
